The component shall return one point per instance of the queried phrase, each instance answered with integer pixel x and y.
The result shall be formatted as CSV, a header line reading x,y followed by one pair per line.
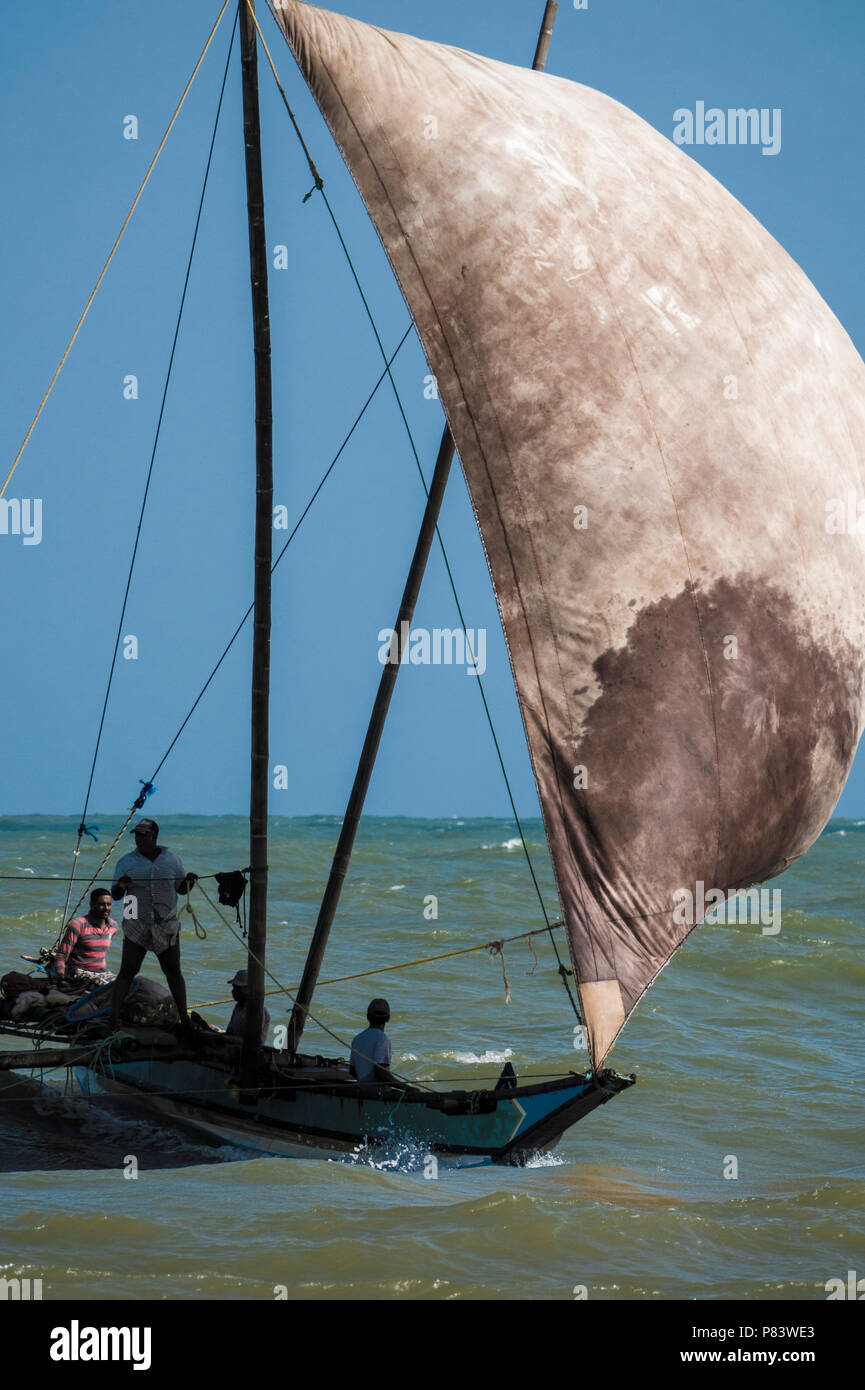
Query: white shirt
x,y
153,887
369,1048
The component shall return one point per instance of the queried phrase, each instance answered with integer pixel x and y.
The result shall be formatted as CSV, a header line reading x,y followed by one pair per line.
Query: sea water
x,y
735,1168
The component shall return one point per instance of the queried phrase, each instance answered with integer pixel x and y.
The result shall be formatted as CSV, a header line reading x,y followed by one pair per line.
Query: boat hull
x,y
337,1119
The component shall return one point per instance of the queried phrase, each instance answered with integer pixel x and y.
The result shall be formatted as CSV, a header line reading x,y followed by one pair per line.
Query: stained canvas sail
x,y
654,409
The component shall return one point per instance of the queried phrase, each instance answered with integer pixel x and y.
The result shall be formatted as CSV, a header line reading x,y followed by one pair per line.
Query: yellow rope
x,y
297,130
265,47
494,947
102,273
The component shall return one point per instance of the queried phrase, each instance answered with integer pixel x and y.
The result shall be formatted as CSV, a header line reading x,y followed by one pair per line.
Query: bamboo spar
x,y
545,35
259,772
345,843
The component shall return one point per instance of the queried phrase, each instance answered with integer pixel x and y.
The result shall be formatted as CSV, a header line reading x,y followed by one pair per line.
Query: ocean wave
x,y
102,1131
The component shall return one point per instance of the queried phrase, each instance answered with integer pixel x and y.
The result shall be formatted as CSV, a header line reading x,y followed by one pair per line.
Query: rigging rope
x,y
149,785
291,537
136,806
563,971
282,989
110,257
492,946
82,828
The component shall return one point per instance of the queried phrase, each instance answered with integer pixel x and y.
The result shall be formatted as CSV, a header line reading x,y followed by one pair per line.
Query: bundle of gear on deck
x,y
33,1000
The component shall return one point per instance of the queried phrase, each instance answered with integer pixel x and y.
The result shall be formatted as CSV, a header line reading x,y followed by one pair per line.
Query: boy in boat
x,y
151,877
370,1050
82,954
240,994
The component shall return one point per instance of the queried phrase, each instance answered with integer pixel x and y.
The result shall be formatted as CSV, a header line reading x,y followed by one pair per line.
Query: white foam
x,y
489,1055
544,1161
401,1155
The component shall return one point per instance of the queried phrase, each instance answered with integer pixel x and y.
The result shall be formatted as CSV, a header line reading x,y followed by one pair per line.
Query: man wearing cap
x,y
240,994
370,1050
150,879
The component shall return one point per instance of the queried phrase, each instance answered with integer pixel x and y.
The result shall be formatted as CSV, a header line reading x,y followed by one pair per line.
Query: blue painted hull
x,y
333,1115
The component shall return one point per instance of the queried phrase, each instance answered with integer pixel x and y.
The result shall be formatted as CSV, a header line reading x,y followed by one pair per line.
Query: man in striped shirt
x,y
82,954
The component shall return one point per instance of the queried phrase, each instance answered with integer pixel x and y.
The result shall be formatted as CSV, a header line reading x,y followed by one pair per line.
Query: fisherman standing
x,y
150,879
83,950
370,1050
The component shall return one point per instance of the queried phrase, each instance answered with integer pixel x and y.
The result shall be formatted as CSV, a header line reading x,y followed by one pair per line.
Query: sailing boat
x,y
583,292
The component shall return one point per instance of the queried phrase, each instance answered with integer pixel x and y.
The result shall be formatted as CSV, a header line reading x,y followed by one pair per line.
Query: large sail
x,y
662,427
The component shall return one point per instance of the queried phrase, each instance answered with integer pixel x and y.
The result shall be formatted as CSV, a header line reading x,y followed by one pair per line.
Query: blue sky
x,y
68,81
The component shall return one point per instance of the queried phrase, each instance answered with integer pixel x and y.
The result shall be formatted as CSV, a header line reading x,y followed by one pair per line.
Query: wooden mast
x,y
345,843
260,778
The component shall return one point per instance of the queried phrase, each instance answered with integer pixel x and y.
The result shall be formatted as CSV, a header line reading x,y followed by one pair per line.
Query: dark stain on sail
x,y
726,783
597,383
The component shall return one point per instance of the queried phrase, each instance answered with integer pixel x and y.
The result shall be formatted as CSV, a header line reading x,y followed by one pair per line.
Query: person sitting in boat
x,y
82,954
150,879
240,994
370,1050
